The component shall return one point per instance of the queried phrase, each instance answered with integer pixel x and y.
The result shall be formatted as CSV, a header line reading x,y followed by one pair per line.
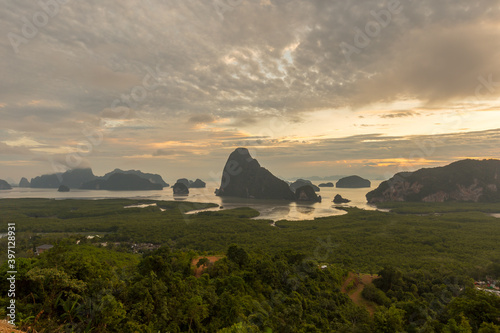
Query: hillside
x,y
466,180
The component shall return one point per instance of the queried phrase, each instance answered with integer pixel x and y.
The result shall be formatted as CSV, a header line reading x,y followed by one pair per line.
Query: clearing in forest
x,y
199,270
354,285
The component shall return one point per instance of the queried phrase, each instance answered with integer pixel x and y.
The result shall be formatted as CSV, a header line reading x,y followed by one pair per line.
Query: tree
x,y
462,326
389,320
237,255
489,328
202,261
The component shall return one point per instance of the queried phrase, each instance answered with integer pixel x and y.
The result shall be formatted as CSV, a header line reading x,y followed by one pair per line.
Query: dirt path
x,y
199,270
360,281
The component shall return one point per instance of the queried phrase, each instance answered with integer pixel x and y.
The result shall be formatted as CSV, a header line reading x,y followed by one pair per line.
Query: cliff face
x,y
244,177
467,180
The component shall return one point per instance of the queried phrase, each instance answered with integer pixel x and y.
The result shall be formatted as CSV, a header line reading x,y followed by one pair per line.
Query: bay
x,y
269,209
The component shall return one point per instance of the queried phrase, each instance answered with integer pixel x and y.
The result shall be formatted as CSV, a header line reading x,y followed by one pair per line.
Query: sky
x,y
310,87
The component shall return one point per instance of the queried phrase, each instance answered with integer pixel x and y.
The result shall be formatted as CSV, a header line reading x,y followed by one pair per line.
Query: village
x,y
490,286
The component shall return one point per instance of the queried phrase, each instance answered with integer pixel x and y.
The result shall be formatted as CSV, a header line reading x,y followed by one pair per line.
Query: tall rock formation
x,y
24,183
466,180
244,177
180,188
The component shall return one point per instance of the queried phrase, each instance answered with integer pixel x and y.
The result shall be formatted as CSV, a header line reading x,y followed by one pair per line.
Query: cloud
x,y
119,112
6,149
201,119
171,152
179,71
399,114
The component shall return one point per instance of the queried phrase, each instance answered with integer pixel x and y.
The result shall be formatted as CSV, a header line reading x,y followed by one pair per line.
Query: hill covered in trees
x,y
139,276
466,180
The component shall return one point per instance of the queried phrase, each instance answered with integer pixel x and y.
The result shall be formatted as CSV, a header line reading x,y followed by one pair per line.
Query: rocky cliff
x,y
243,177
307,193
466,180
180,188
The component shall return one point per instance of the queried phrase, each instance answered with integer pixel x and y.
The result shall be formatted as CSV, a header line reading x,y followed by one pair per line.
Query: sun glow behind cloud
x,y
269,75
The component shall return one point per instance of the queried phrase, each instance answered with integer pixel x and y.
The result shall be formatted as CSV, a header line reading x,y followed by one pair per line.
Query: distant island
x,y
74,178
307,193
243,177
302,182
198,183
24,182
180,188
466,180
153,178
338,199
329,184
122,182
85,179
353,182
4,185
63,188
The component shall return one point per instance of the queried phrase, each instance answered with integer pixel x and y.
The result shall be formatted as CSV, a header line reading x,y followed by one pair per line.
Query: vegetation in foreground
x,y
276,279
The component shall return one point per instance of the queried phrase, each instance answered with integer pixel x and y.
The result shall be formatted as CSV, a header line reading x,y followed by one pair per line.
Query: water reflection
x,y
306,210
269,209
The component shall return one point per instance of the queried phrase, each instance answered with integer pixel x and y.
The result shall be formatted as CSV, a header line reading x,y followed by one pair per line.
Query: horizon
x,y
310,88
171,181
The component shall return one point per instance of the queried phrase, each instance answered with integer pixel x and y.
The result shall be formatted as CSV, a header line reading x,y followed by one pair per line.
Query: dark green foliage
x,y
372,293
237,255
270,278
80,287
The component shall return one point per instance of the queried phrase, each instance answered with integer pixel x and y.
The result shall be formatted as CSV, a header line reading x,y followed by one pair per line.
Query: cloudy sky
x,y
311,87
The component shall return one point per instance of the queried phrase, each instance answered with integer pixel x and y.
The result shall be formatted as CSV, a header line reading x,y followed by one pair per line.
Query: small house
x,y
42,248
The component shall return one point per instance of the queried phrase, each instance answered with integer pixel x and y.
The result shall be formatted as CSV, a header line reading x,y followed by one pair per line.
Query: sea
x,y
269,209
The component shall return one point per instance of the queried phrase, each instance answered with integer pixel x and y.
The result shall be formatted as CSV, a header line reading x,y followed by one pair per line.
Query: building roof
x,y
44,247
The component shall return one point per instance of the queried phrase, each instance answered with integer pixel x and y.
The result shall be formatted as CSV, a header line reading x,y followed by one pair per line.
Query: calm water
x,y
274,210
